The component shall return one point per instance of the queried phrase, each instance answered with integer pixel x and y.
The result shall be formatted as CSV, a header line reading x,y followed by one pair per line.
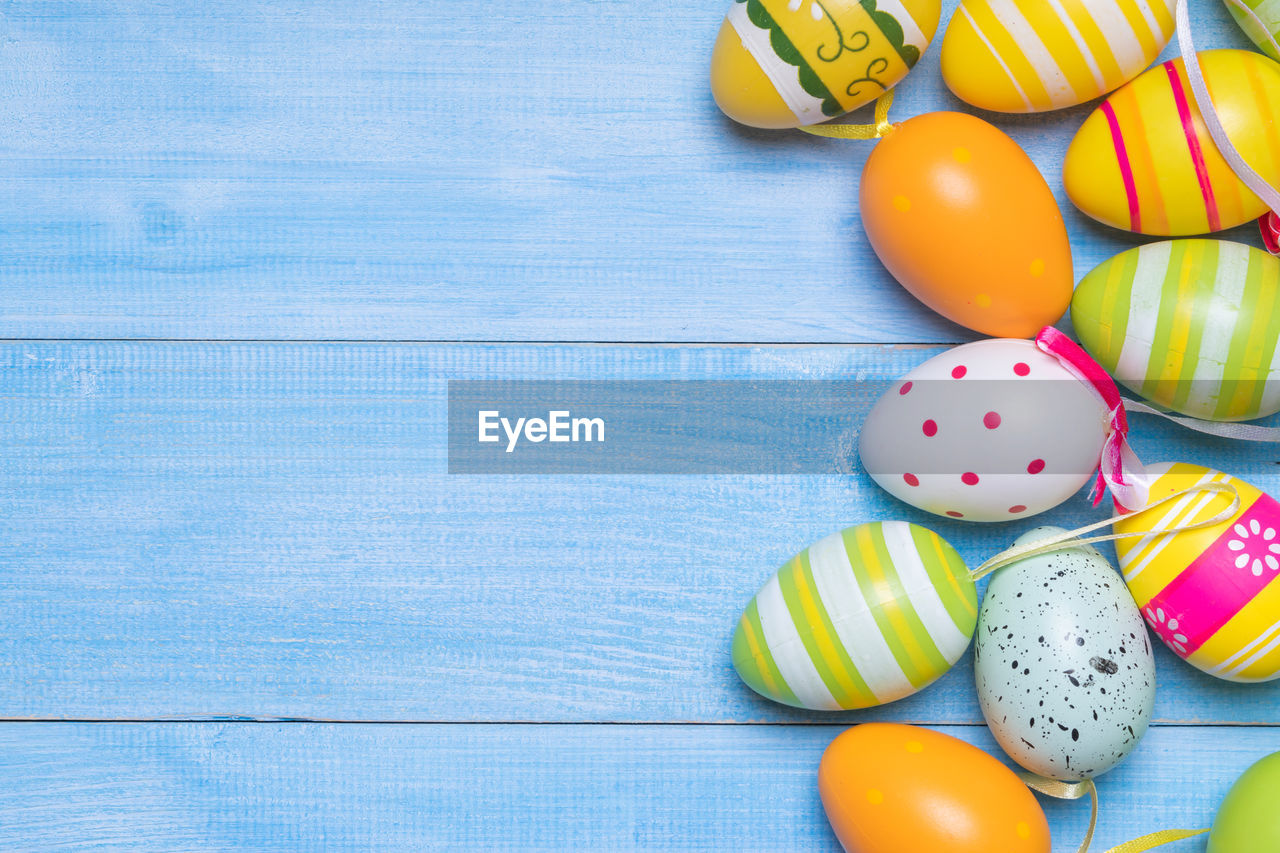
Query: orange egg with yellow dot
x,y
962,218
889,788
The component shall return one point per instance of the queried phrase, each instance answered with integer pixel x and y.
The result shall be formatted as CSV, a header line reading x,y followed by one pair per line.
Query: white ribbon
x,y
1200,93
1239,432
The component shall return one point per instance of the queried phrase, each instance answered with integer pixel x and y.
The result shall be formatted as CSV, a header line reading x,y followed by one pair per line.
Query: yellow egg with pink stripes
x,y
1144,161
790,63
1023,56
1213,594
868,615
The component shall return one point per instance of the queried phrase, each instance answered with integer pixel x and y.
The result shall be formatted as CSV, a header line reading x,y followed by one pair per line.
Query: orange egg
x,y
890,788
961,217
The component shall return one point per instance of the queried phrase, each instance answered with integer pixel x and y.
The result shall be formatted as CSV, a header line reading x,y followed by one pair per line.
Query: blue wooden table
x,y
243,248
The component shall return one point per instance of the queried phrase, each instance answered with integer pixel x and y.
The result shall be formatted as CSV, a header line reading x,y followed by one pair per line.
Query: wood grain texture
x,y
168,787
267,530
437,171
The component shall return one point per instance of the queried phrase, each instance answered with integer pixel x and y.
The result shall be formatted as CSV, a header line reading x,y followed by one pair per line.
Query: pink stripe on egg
x,y
1212,590
1193,145
1126,169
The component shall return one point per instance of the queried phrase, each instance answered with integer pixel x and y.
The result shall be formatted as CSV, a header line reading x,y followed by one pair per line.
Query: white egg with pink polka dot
x,y
994,430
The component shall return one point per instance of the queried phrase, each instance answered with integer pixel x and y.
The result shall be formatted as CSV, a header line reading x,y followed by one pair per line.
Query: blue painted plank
x,y
268,530
436,171
272,787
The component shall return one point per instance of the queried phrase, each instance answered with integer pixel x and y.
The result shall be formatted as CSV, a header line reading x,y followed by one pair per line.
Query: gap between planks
x,y
320,721
429,342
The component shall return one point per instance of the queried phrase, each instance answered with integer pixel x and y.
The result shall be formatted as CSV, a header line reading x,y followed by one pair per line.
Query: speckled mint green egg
x,y
1063,665
1247,820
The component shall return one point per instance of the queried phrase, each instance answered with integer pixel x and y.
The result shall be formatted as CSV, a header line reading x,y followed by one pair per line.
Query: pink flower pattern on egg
x,y
984,432
1166,627
1255,547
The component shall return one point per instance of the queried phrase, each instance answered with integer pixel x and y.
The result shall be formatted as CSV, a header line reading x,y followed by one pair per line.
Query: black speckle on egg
x,y
1106,667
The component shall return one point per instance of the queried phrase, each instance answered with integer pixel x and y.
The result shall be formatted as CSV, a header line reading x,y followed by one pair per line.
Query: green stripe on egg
x,y
754,663
949,575
1209,259
910,641
1267,11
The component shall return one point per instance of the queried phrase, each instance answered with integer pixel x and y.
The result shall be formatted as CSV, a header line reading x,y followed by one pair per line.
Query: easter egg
x,y
961,217
1189,324
1065,675
1247,820
863,617
789,63
1143,161
1022,56
993,430
1268,15
1208,594
892,788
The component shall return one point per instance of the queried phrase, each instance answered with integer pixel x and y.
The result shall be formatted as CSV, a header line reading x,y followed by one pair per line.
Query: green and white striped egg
x,y
1189,324
863,617
1266,13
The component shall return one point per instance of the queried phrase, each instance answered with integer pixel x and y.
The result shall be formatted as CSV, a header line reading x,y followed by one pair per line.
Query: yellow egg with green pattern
x,y
790,63
866,616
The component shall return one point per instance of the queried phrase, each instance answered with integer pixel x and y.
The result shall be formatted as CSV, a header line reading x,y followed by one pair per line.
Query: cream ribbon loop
x,y
1067,791
1080,790
1069,539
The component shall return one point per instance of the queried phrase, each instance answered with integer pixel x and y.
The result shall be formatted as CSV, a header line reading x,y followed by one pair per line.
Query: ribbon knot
x,y
1118,467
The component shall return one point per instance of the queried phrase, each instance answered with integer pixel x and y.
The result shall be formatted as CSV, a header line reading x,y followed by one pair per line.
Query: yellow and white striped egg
x,y
1023,56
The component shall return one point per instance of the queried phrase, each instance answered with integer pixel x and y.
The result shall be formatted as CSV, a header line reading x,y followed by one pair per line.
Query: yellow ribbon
x,y
1068,791
1078,791
1068,540
1155,839
880,129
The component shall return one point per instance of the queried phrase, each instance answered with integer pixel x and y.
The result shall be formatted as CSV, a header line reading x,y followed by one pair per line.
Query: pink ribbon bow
x,y
1118,468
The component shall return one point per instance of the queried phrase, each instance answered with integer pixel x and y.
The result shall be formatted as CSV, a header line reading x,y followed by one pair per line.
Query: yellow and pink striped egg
x,y
1211,595
1144,161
